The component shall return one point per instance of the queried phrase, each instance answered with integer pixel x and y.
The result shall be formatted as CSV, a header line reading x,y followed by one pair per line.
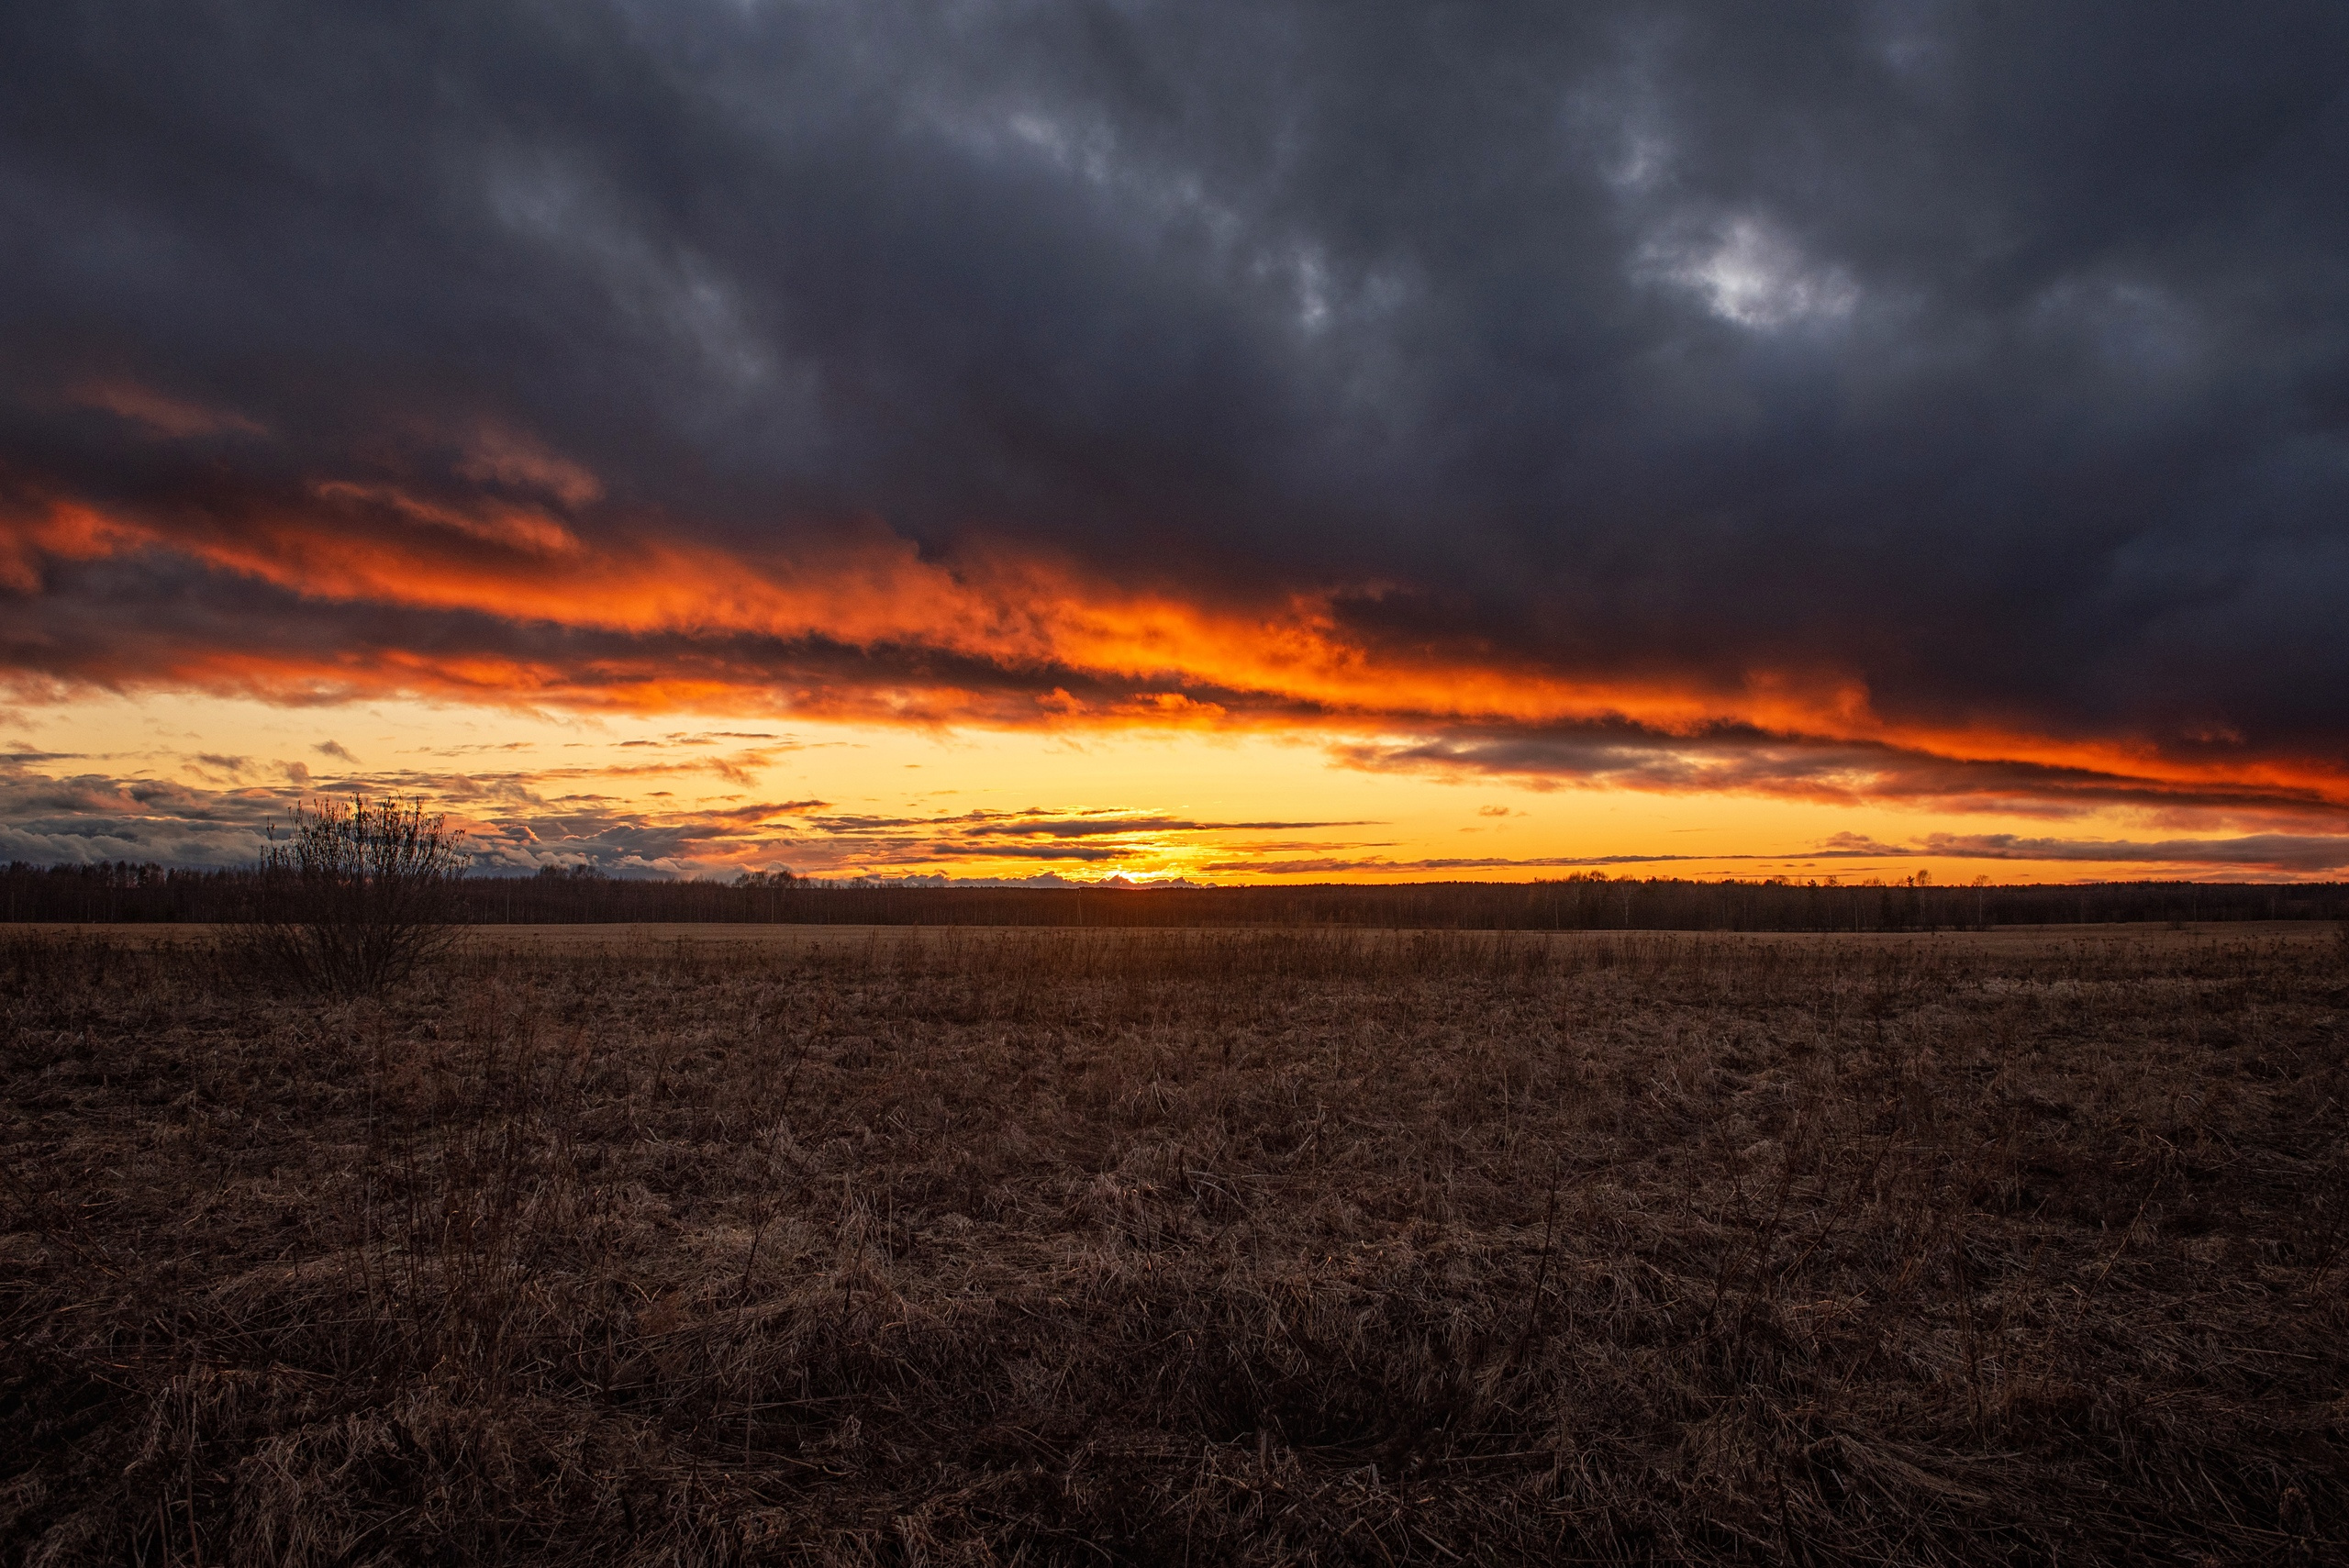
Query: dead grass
x,y
1246,1246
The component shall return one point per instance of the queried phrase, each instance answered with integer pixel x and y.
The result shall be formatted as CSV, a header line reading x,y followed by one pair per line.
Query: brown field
x,y
826,1244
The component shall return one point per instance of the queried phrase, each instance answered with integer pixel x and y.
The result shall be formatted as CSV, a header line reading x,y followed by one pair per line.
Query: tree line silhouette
x,y
126,891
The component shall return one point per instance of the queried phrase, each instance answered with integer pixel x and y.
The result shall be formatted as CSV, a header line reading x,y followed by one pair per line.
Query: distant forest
x,y
126,892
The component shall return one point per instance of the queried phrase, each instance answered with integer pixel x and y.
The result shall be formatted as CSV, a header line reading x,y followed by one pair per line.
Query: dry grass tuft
x,y
1166,1247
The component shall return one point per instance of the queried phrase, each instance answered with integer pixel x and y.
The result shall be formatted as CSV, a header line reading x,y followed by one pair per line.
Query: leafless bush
x,y
355,896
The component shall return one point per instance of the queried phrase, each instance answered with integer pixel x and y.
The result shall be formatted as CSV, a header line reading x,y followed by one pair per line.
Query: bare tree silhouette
x,y
357,895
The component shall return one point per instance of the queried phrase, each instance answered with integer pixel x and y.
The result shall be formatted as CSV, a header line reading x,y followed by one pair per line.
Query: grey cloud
x,y
1740,758
2282,854
1079,853
1997,356
86,818
2296,853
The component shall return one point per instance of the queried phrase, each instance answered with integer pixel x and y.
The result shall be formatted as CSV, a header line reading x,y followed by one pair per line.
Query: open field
x,y
635,938
824,1244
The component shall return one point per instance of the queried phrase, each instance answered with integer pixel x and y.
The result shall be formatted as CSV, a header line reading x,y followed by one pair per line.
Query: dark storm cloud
x,y
1996,356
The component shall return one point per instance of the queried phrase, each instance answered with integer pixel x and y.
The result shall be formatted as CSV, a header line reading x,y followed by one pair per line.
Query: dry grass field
x,y
1166,1246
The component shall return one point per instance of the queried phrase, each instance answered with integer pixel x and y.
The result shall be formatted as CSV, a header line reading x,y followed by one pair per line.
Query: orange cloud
x,y
381,545
993,637
62,531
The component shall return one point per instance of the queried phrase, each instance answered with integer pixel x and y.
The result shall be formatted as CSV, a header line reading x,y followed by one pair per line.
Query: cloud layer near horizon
x,y
1901,401
519,821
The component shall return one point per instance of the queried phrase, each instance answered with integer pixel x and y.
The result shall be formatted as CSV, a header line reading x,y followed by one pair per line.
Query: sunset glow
x,y
1108,512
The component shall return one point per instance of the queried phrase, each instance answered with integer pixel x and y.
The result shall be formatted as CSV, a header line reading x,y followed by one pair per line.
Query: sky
x,y
1262,442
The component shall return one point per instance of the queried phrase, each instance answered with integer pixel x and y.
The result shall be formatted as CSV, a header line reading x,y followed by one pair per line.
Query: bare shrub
x,y
356,897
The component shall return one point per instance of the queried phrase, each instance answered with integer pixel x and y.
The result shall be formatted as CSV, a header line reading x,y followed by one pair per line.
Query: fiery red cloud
x,y
861,625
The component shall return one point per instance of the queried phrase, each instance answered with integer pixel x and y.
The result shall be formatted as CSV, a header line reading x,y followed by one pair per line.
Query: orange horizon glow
x,y
833,799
